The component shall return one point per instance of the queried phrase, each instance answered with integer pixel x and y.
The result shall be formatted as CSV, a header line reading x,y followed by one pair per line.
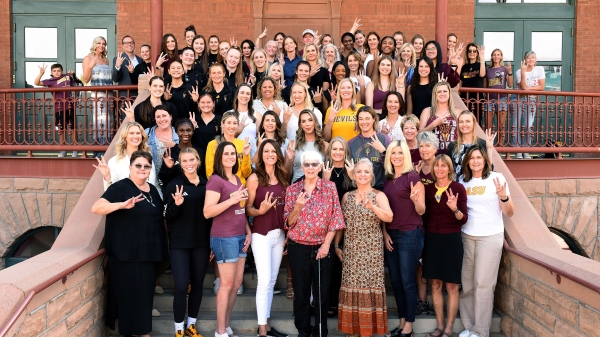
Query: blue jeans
x,y
522,121
402,264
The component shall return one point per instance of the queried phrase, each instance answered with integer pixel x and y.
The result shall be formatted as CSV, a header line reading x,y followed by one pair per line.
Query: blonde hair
x,y
413,54
318,60
390,172
95,42
338,96
501,63
410,119
444,159
347,181
369,163
459,138
434,102
121,147
307,101
253,65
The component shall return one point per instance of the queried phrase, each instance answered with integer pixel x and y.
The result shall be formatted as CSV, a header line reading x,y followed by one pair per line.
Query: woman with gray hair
x,y
362,294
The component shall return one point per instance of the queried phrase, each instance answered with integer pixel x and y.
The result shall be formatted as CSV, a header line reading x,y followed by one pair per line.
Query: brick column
x,y
441,23
156,28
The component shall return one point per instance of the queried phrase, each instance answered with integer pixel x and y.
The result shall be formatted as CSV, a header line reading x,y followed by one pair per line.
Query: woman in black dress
x,y
135,241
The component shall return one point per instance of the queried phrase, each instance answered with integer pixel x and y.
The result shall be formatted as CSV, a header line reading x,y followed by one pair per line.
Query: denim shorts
x,y
228,249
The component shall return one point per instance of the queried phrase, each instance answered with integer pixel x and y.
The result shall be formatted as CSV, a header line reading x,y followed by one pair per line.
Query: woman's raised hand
x,y
193,119
267,204
129,203
178,196
263,34
103,168
490,136
162,58
349,168
167,94
239,195
414,192
290,153
194,93
167,159
232,41
442,78
452,199
327,169
246,150
318,95
508,67
128,111
500,189
376,143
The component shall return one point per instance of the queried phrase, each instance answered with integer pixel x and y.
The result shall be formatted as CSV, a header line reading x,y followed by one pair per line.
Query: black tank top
x,y
421,99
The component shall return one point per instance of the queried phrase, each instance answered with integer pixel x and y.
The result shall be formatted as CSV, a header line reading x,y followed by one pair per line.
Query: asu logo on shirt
x,y
476,190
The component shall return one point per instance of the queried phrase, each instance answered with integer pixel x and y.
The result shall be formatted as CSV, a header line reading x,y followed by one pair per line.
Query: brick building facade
x,y
246,18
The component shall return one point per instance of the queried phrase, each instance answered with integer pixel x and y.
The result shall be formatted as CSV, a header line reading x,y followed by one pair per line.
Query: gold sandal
x,y
289,293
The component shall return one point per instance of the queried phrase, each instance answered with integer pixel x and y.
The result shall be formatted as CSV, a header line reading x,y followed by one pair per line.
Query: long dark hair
x,y
467,174
301,137
218,167
279,138
433,79
201,60
174,55
384,109
281,173
439,59
250,108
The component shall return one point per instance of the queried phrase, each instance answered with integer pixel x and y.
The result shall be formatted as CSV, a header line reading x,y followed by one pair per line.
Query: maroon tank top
x,y
378,97
273,219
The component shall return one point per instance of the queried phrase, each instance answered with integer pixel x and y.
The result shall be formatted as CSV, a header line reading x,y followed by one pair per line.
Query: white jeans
x,y
101,125
268,251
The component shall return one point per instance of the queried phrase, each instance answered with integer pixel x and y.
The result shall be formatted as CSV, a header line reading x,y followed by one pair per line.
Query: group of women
x,y
222,136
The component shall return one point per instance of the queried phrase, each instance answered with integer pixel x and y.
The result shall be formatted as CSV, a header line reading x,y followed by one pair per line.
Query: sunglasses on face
x,y
472,50
307,165
144,167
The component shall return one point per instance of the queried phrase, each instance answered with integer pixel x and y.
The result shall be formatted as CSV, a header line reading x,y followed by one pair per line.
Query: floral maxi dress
x,y
362,305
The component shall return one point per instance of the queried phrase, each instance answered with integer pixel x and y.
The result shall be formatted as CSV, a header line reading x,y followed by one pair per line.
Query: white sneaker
x,y
519,156
526,156
216,286
465,333
75,154
155,313
62,154
241,290
159,290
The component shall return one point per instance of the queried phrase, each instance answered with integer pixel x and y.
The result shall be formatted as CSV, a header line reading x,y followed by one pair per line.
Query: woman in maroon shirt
x,y
403,236
266,199
446,203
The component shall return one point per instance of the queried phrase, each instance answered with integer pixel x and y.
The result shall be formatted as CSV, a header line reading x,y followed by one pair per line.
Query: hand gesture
x,y
356,25
317,36
349,168
290,153
276,109
334,109
246,150
481,51
401,79
376,143
193,119
103,168
318,95
443,119
240,195
419,166
500,189
508,67
167,94
281,81
95,61
267,204
169,143
452,199
332,94
162,58
361,81
130,67
150,73
241,125
261,138
120,60
523,66
287,114
489,137
414,192
232,41
43,68
385,128
129,203
441,77
178,197
314,71
128,111
281,61
250,80
167,159
367,202
327,169
302,199
263,34
194,93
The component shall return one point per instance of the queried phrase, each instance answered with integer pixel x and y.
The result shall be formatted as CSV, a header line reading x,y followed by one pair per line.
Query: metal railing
x,y
541,121
83,118
61,276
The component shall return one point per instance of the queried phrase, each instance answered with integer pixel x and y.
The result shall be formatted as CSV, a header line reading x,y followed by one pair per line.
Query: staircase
x,y
244,322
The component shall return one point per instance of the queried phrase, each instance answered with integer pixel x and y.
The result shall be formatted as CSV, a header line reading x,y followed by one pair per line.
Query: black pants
x,y
188,265
336,281
305,273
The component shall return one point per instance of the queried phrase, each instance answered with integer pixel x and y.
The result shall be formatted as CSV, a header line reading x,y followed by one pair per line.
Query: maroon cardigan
x,y
441,219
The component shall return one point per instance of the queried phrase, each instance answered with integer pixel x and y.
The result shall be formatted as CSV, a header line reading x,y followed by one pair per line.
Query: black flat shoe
x,y
394,333
275,333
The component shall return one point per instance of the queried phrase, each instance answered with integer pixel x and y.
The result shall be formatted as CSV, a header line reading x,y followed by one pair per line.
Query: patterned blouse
x,y
321,214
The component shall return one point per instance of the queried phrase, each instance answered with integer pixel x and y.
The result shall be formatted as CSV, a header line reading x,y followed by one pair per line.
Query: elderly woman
x,y
362,307
312,215
482,237
410,130
446,204
134,239
230,234
403,236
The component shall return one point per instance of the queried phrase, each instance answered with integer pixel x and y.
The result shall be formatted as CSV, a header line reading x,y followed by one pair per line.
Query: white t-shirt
x,y
483,204
532,78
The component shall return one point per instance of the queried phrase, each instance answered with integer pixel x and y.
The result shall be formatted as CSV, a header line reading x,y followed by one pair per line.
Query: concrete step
x,y
247,301
244,323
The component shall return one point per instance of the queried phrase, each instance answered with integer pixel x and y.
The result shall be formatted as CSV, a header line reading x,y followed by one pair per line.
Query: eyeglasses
x,y
144,167
472,50
128,42
431,49
307,165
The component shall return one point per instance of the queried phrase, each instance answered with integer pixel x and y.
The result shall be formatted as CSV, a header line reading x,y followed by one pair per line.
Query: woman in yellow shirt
x,y
341,116
229,124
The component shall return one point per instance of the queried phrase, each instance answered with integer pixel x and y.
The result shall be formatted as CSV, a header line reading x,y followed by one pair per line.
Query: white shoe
x,y
155,313
241,290
159,290
75,154
519,156
465,333
62,154
526,156
216,286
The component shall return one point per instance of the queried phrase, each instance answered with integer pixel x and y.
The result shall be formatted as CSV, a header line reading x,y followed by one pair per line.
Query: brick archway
x,y
294,16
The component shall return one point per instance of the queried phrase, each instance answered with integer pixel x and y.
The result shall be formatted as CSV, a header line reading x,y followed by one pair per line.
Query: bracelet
x,y
510,74
336,246
456,211
504,200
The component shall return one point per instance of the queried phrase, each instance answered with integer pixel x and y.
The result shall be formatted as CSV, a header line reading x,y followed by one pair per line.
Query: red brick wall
x,y
587,46
6,43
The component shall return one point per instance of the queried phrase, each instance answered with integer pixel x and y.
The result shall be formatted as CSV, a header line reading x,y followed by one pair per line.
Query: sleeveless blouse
x,y
273,219
446,132
101,75
378,97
